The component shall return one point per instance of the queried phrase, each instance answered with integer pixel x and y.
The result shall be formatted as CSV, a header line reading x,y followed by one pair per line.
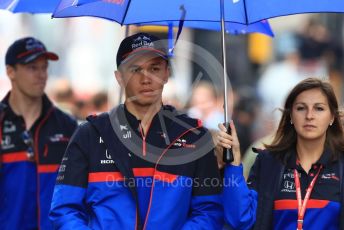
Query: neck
x,y
29,108
143,113
309,152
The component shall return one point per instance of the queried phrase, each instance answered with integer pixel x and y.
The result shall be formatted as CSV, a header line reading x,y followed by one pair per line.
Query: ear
x,y
119,78
10,72
168,74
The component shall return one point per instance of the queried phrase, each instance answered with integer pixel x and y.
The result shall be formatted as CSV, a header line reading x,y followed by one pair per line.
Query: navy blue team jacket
x,y
113,176
27,183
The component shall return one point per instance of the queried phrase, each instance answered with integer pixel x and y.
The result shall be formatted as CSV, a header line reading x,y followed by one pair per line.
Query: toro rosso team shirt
x,y
323,206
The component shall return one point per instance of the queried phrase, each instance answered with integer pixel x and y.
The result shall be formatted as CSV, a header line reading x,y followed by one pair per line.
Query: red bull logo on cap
x,y
141,42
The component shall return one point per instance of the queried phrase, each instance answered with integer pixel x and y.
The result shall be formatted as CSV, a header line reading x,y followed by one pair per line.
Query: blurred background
x,y
261,69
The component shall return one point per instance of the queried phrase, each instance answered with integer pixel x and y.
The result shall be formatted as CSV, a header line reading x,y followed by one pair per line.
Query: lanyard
x,y
302,205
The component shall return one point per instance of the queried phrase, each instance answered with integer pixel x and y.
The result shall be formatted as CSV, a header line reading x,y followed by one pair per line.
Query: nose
x,y
43,73
309,114
146,76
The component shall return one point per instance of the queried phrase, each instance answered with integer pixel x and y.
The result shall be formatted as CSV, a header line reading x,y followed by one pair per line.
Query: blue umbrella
x,y
29,6
48,6
240,11
128,12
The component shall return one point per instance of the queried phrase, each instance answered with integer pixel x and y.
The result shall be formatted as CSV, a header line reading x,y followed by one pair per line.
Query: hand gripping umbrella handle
x,y
227,153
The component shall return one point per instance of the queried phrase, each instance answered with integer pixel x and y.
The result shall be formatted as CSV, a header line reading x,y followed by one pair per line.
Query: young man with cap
x,y
34,135
142,165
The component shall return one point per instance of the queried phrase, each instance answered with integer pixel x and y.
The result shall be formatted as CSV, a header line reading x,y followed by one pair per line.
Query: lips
x,y
147,91
309,126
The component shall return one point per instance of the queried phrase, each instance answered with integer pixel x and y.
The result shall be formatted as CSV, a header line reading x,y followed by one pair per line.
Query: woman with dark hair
x,y
296,182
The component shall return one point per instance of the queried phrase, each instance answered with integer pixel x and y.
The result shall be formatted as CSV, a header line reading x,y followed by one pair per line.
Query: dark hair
x,y
285,137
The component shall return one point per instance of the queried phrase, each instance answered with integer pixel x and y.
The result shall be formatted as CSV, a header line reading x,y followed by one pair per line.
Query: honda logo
x,y
289,185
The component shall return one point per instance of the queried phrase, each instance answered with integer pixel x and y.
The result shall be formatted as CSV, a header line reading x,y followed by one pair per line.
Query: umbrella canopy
x,y
29,6
127,12
240,11
262,27
139,11
48,6
264,9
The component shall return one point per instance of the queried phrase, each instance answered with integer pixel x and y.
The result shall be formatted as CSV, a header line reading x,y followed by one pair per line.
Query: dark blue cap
x,y
26,50
140,43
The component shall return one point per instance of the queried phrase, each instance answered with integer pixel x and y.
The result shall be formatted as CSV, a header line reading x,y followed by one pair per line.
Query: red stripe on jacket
x,y
138,172
292,204
14,157
48,168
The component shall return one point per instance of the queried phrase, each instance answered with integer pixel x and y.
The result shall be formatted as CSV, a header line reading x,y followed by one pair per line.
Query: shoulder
x,y
63,115
85,132
183,117
265,155
57,113
196,123
67,119
99,120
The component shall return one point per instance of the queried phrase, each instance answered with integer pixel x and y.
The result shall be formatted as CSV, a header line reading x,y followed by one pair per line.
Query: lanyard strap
x,y
303,205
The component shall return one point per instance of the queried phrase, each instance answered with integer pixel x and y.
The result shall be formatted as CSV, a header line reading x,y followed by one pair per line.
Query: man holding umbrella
x,y
142,165
34,135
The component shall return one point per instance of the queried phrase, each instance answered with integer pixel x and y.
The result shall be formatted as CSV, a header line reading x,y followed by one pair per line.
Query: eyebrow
x,y
317,103
157,63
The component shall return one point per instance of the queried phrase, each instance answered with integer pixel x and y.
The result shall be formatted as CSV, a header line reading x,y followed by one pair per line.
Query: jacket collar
x,y
324,160
47,104
160,119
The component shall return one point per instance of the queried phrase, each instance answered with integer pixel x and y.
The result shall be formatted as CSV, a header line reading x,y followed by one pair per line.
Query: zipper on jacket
x,y
144,143
36,151
143,140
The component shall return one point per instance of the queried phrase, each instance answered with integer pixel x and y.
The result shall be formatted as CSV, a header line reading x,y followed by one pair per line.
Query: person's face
x,y
29,79
203,99
143,79
311,115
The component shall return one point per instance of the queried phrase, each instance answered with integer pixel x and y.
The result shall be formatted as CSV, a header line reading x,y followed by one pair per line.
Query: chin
x,y
312,137
36,94
145,102
148,100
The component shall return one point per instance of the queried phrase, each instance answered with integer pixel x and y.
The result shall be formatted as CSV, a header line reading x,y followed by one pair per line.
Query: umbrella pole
x,y
224,62
227,153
